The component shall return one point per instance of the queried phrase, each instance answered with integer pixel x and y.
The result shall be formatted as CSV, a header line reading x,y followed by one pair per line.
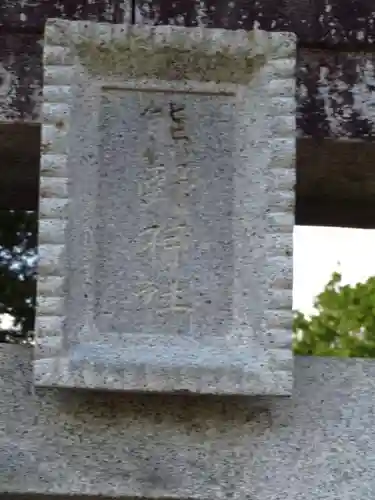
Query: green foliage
x,y
18,230
344,324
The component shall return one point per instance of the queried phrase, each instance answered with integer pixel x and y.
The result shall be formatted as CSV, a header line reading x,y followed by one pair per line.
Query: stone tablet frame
x,y
246,64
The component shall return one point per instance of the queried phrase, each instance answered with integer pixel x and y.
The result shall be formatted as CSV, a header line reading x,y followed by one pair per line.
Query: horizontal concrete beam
x,y
334,90
31,15
316,22
328,22
335,178
319,444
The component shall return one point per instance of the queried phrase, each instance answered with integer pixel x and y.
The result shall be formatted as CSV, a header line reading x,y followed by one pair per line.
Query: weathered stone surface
x,y
30,15
335,182
317,445
21,50
185,259
20,77
332,22
292,16
335,91
329,90
336,94
349,23
321,22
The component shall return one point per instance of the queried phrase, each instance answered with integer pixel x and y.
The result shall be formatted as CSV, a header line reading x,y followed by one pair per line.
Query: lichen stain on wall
x,y
34,13
336,90
36,98
363,91
346,22
349,97
9,82
20,77
336,93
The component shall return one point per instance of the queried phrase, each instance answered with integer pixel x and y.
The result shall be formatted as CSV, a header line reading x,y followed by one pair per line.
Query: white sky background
x,y
318,252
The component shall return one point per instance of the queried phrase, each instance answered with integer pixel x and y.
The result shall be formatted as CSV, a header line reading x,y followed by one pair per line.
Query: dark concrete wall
x,y
335,89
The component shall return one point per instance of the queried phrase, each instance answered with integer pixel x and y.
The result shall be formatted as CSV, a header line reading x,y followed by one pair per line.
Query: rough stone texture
x,y
335,179
293,16
188,335
345,23
21,47
30,15
334,90
338,193
20,77
336,94
317,445
332,22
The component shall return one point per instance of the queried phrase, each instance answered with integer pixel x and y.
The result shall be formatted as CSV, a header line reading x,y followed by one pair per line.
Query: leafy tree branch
x,y
344,322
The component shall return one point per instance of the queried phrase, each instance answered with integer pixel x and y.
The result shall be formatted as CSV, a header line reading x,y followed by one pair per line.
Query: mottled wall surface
x,y
335,89
20,77
21,48
30,15
318,445
335,83
241,14
344,23
332,22
336,94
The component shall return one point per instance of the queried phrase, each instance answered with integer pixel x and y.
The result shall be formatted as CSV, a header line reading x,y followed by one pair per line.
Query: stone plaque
x,y
164,232
166,210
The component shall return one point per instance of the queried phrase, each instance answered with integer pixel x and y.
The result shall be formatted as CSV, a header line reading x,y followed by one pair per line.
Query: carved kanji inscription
x,y
163,161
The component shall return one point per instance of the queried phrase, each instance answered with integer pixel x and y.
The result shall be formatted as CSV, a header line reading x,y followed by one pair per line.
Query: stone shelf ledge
x,y
171,365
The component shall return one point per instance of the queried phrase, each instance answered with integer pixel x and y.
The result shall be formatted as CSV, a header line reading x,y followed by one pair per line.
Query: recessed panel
x,y
164,213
